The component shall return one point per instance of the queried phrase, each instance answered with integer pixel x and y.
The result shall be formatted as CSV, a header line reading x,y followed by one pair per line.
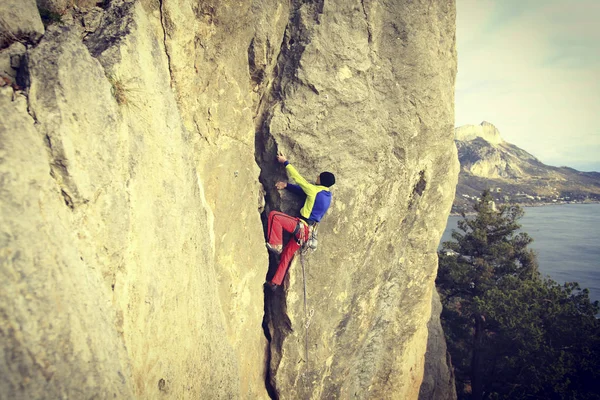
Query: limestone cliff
x,y
137,150
516,176
485,130
438,380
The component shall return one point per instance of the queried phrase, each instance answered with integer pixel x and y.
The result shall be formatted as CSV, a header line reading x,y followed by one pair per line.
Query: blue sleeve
x,y
294,188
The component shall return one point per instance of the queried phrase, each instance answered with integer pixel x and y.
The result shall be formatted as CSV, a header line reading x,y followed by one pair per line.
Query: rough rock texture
x,y
57,326
485,130
54,6
131,245
207,46
484,153
515,176
359,96
130,211
19,21
438,379
10,60
60,7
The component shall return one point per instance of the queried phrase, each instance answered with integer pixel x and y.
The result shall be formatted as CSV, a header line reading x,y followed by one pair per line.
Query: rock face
x,y
135,167
10,60
483,153
438,379
485,130
362,99
134,219
19,21
487,161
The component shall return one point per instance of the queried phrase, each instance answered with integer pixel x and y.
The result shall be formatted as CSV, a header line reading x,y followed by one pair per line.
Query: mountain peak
x,y
485,130
516,176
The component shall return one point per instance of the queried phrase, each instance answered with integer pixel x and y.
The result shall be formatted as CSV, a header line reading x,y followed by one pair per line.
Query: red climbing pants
x,y
277,223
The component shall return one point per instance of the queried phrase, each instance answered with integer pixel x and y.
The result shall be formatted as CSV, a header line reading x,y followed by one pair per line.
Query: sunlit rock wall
x,y
365,90
120,267
131,242
438,379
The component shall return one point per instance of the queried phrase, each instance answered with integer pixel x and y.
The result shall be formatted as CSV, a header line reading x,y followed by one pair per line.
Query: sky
x,y
532,68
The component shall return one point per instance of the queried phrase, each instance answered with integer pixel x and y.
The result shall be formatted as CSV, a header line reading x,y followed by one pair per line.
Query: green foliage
x,y
511,334
549,336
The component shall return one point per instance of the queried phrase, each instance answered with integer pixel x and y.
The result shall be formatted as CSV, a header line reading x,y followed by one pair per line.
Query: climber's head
x,y
326,179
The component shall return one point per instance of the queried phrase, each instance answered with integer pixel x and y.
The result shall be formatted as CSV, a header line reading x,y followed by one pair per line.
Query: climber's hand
x,y
281,158
281,185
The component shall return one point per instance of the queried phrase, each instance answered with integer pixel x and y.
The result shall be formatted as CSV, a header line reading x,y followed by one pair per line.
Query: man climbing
x,y
318,199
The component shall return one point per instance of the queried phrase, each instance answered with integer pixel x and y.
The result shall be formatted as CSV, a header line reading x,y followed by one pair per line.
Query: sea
x,y
566,239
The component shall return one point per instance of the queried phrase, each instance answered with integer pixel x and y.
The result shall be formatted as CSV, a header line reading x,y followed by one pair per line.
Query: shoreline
x,y
564,241
528,205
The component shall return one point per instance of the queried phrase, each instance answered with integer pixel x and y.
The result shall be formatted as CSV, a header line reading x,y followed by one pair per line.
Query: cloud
x,y
533,69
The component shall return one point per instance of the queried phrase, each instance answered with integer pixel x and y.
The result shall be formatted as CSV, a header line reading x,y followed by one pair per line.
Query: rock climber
x,y
318,199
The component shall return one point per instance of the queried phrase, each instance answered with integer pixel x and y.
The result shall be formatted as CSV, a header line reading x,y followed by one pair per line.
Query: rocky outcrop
x,y
483,153
137,162
57,8
515,176
485,130
10,60
438,378
19,22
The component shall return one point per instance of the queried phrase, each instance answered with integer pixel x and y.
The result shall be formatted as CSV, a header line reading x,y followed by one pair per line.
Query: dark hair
x,y
327,179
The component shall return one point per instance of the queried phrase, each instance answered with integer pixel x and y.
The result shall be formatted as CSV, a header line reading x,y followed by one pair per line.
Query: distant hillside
x,y
514,175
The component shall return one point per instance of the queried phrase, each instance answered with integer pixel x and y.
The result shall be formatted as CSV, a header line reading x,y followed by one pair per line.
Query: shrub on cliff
x,y
511,334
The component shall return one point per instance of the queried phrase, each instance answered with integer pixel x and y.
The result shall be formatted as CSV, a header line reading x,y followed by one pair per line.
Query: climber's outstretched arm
x,y
306,187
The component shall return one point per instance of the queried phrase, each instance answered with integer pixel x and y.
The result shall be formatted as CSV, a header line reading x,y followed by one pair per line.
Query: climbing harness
x,y
311,243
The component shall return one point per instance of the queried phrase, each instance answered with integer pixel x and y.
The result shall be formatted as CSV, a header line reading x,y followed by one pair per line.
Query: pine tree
x,y
511,334
544,340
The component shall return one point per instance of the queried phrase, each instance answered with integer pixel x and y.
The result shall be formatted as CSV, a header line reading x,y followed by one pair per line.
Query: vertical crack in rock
x,y
418,189
421,184
56,154
369,32
276,323
59,171
163,23
257,74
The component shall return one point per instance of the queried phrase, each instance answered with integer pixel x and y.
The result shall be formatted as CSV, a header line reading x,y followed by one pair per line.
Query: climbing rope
x,y
307,314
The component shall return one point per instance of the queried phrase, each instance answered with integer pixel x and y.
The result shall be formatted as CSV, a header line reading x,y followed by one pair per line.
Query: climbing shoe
x,y
274,248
